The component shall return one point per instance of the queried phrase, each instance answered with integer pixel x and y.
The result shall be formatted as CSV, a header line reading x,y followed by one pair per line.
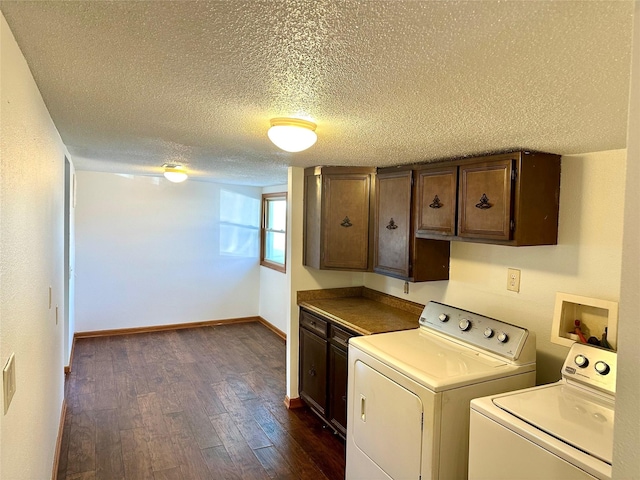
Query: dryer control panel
x,y
515,343
593,366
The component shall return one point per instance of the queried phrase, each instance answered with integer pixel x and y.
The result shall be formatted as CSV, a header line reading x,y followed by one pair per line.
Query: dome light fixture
x,y
292,134
175,173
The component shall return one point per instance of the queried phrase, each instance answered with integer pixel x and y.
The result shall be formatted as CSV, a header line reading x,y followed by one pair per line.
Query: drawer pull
x,y
346,222
436,203
484,202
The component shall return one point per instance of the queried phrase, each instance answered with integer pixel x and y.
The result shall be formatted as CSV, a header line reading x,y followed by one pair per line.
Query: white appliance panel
x,y
570,414
516,457
434,361
387,421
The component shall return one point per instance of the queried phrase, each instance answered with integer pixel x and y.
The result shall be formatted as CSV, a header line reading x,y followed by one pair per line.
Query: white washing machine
x,y
409,392
559,431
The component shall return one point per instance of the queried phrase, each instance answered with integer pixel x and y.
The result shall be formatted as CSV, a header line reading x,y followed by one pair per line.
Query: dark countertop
x,y
361,309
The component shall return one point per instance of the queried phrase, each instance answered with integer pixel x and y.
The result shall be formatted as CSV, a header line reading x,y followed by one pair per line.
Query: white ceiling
x,y
131,85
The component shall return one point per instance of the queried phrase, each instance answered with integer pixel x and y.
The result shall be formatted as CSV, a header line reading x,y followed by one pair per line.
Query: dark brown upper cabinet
x,y
512,199
397,252
436,195
337,220
506,199
485,208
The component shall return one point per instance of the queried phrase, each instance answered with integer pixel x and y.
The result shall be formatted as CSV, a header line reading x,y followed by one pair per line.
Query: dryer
x,y
408,392
560,431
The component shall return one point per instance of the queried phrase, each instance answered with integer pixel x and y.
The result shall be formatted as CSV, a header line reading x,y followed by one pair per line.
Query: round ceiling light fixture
x,y
175,173
292,134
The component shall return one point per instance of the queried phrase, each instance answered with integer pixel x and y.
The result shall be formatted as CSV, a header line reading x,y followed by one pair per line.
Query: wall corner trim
x,y
291,403
56,458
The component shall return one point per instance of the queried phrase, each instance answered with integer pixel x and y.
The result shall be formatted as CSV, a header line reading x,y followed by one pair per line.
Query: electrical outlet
x,y
513,279
9,381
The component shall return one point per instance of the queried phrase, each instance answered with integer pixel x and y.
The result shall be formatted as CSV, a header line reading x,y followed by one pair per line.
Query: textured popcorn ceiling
x,y
133,84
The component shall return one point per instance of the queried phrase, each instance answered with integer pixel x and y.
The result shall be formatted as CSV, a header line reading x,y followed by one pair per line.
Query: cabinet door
x,y
485,200
393,224
313,370
436,201
346,221
338,367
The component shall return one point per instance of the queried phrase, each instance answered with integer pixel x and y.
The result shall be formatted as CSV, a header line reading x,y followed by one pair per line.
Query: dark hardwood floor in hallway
x,y
201,403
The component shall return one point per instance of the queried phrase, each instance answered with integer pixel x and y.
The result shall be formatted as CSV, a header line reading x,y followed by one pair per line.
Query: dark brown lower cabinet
x,y
313,370
323,368
338,388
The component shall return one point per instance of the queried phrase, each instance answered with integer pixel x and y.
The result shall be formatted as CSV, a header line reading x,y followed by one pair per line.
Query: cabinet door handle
x,y
312,372
436,203
392,225
346,222
484,202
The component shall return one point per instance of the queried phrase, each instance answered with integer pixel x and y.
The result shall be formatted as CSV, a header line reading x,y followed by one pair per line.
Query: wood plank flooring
x,y
201,403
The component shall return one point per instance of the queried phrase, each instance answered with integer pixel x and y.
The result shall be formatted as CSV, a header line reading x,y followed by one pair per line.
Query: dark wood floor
x,y
202,403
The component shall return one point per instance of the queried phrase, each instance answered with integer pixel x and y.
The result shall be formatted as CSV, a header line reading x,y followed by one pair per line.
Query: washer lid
x,y
573,415
432,360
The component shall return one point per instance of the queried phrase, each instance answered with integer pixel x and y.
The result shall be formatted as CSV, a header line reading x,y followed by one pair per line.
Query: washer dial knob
x,y
443,317
465,324
581,361
503,337
488,332
602,368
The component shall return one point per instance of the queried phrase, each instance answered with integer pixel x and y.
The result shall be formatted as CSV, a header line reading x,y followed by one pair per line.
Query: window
x,y
273,239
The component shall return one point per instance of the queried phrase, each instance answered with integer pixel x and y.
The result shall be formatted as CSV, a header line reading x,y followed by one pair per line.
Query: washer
x,y
559,431
408,392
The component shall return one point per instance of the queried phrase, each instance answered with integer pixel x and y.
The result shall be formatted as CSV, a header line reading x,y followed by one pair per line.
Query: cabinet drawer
x,y
340,337
313,323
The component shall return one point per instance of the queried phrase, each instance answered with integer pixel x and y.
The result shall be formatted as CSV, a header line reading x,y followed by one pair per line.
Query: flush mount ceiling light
x,y
174,173
292,134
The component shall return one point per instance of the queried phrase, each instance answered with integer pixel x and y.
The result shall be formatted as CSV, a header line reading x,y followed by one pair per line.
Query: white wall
x,y
274,294
31,258
152,252
586,261
626,462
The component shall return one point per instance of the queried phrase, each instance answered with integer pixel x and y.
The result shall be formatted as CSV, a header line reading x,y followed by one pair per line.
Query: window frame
x,y
266,198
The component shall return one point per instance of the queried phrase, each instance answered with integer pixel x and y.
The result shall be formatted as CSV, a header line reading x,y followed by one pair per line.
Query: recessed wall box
x,y
594,314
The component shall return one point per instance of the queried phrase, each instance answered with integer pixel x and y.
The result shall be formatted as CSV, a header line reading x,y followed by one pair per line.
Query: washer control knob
x,y
581,361
465,324
602,368
503,337
443,317
488,332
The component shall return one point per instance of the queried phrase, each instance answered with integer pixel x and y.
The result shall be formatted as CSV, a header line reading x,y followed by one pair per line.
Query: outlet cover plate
x,y
513,279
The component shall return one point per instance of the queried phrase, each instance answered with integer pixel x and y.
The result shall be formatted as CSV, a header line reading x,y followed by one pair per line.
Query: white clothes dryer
x,y
408,392
560,431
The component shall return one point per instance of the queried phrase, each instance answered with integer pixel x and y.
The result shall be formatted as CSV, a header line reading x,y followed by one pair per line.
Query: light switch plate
x,y
9,381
